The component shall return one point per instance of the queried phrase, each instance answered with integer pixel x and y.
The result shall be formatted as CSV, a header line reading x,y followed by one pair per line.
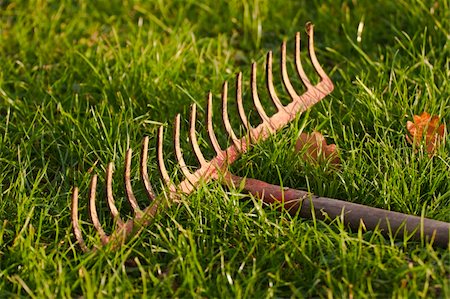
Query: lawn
x,y
81,81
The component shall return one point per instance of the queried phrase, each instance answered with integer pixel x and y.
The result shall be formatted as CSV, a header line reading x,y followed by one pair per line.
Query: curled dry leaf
x,y
425,127
315,148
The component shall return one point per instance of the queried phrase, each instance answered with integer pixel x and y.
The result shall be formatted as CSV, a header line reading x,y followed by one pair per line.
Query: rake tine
x,y
161,166
110,197
312,55
284,75
179,154
240,105
128,188
193,137
269,83
210,128
298,63
259,108
144,173
225,118
93,211
75,224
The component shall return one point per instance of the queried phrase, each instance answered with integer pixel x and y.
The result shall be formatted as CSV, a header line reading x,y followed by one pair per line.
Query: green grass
x,y
81,81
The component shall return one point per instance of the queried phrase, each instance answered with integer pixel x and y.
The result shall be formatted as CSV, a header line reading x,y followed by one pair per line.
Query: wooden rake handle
x,y
354,215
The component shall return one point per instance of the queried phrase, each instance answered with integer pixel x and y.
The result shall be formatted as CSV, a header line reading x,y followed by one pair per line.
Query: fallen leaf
x,y
315,148
425,127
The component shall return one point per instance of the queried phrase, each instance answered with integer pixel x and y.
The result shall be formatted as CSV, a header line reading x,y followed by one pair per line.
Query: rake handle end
x,y
353,214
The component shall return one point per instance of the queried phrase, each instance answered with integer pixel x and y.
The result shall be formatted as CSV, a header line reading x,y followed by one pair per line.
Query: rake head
x,y
216,167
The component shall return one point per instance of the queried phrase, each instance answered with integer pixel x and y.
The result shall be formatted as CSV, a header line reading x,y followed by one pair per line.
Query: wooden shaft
x,y
354,215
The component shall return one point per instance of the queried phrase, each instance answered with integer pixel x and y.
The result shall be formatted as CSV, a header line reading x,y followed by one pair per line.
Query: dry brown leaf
x,y
425,126
315,148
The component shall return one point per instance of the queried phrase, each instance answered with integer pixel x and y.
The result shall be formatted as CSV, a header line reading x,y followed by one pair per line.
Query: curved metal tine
x,y
284,75
225,118
110,197
75,224
312,53
298,63
128,188
193,137
144,173
179,155
160,158
240,105
255,97
269,83
210,128
93,211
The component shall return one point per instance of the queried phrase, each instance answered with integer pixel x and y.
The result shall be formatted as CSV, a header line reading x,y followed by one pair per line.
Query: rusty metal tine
x,y
312,54
161,166
325,87
210,128
144,173
193,137
269,83
255,97
75,224
110,197
298,63
284,75
178,153
93,211
225,118
239,102
128,188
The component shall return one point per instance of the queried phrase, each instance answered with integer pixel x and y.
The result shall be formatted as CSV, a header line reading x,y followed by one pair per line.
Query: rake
x,y
295,201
